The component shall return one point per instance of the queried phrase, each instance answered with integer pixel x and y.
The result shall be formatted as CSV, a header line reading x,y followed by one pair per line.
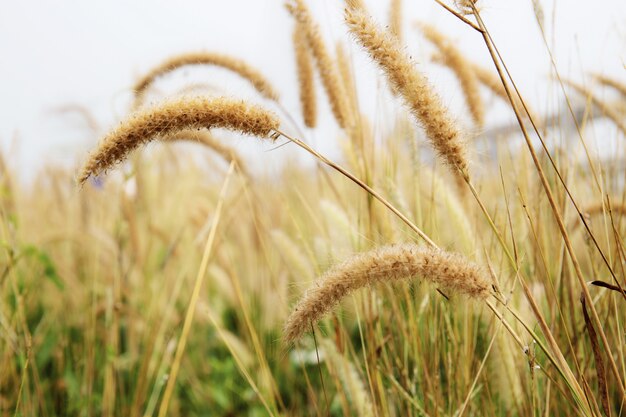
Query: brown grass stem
x,y
578,272
361,184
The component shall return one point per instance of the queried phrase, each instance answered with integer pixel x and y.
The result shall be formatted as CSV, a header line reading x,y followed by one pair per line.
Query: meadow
x,y
431,269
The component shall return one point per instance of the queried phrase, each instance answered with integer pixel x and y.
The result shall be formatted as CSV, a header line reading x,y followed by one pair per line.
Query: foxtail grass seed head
x,y
304,66
236,65
173,116
412,86
388,264
454,59
328,71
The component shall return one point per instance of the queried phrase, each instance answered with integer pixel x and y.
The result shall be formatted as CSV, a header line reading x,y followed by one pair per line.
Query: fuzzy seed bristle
x,y
347,78
306,80
173,116
465,7
389,264
236,65
328,71
412,86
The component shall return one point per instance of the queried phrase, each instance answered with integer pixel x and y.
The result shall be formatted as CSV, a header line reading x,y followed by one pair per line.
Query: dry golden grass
x,y
617,85
385,264
603,107
167,289
395,19
173,116
236,65
306,80
327,69
419,96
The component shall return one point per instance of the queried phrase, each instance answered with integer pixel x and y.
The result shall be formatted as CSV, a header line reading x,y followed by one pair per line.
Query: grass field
x,y
434,268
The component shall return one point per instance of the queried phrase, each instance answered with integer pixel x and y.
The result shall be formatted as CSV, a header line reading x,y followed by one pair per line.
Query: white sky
x,y
88,53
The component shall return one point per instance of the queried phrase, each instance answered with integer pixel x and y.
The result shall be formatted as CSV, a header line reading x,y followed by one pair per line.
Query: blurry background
x,y
61,58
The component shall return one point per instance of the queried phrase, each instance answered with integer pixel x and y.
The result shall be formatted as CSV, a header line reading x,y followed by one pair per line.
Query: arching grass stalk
x,y
361,184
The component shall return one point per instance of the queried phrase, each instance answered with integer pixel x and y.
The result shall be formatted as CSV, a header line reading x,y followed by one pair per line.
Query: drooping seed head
x,y
447,270
173,116
614,83
236,65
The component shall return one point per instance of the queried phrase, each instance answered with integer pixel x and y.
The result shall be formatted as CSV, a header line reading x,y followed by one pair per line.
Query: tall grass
x,y
167,283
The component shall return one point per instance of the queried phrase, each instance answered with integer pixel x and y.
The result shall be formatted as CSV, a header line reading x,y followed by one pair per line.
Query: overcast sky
x,y
88,53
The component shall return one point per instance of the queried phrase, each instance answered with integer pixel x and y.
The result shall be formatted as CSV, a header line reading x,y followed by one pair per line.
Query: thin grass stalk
x,y
558,217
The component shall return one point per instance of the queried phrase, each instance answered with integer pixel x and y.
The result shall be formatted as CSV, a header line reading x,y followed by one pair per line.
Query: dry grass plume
x,y
236,65
306,79
385,264
347,78
173,116
618,86
412,86
329,73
